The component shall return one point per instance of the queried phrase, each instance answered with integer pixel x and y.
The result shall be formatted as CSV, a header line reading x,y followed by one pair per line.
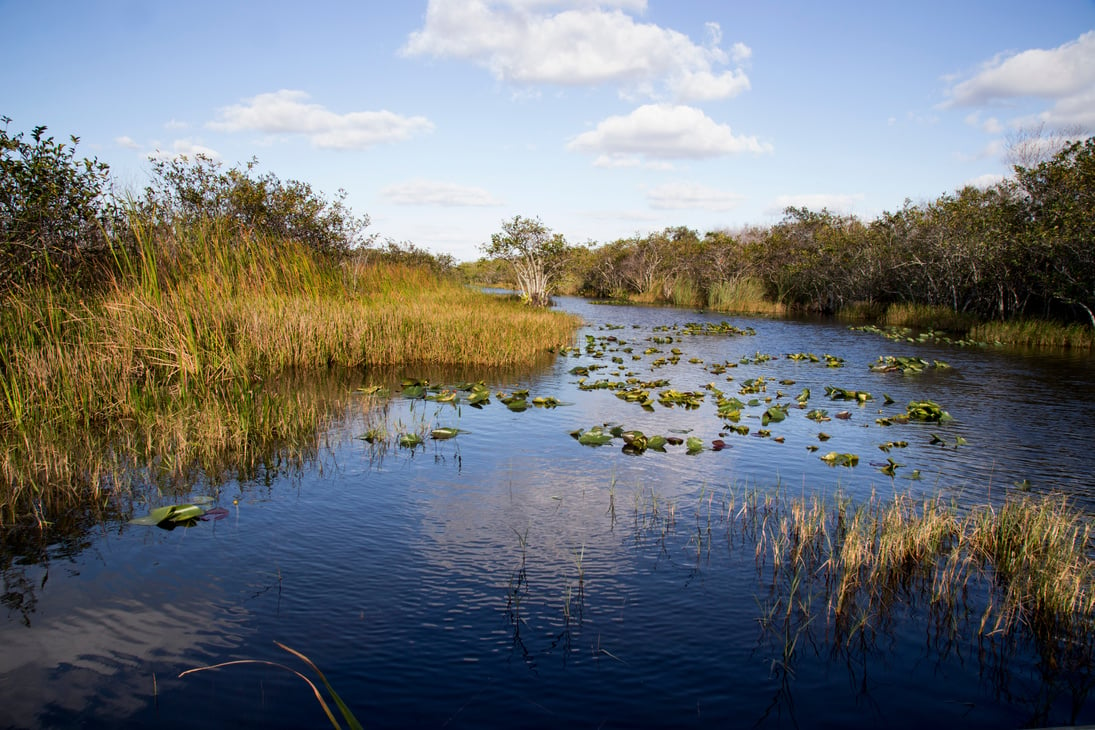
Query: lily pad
x,y
172,513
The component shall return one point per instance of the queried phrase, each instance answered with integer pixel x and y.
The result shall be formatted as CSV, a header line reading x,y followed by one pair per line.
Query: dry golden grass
x,y
172,364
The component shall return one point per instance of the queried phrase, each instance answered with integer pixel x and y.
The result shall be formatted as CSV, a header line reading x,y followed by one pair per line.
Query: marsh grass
x,y
925,316
742,295
175,364
1035,333
853,564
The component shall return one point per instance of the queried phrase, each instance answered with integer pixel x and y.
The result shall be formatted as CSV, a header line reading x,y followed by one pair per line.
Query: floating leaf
x,y
172,513
926,410
410,440
835,459
444,433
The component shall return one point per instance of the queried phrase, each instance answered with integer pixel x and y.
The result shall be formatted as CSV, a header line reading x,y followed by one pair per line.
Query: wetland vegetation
x,y
191,356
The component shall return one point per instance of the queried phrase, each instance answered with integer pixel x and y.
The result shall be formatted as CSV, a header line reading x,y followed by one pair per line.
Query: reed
x,y
927,316
1035,333
1030,556
175,365
742,295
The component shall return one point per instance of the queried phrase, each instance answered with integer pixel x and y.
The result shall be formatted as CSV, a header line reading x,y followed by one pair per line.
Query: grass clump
x,y
183,359
1035,333
1028,559
743,295
925,316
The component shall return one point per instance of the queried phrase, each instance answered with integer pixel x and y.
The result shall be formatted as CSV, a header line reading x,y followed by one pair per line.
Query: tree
x,y
1060,202
56,211
195,190
536,254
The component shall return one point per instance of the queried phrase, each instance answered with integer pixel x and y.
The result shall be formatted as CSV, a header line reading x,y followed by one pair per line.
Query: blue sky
x,y
607,119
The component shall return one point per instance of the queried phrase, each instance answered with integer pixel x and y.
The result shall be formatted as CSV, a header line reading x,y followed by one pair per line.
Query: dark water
x,y
511,577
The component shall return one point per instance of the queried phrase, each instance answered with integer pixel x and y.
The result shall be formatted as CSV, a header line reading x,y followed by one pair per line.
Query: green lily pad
x,y
410,440
172,513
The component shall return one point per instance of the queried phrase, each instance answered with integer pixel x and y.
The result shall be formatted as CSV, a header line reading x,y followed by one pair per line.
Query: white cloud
x,y
187,147
431,192
579,43
1065,74
128,142
985,181
683,195
288,112
663,131
841,203
991,125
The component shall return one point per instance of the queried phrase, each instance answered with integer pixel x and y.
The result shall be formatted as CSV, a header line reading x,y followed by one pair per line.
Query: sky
x,y
442,119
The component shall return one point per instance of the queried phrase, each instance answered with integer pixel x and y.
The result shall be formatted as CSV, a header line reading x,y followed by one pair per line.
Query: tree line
x,y
1023,247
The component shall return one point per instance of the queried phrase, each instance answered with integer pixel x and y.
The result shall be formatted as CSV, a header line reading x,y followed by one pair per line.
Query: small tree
x,y
55,210
188,191
536,254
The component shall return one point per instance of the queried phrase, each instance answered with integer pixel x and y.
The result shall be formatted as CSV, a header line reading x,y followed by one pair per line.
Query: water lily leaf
x,y
176,513
410,440
414,391
657,443
775,414
693,444
926,410
595,438
445,433
835,459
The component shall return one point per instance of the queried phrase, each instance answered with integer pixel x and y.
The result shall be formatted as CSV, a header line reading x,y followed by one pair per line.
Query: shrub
x,y
194,191
56,211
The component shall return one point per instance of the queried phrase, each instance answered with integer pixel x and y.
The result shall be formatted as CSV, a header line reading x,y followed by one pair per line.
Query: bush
x,y
56,212
194,191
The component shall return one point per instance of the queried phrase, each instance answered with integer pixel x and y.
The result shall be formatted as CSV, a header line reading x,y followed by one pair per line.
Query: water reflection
x,y
510,576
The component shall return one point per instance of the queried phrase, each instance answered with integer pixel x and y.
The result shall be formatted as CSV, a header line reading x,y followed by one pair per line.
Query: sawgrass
x,y
180,361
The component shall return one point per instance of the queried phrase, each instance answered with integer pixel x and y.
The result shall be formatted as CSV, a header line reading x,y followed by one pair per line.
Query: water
x,y
511,577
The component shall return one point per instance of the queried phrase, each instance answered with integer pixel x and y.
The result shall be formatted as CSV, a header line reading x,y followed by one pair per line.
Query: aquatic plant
x,y
343,709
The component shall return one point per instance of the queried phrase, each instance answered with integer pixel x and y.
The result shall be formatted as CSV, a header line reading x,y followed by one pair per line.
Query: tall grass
x,y
1030,557
1035,333
742,295
926,316
177,361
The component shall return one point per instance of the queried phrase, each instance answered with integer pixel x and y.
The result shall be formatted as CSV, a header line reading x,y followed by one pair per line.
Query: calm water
x,y
511,577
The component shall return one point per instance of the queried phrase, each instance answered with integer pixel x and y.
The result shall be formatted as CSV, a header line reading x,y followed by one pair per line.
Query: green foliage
x,y
536,254
56,211
192,191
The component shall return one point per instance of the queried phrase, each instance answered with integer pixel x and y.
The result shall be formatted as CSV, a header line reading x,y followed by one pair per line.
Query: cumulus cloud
x,y
127,142
1064,75
841,203
184,147
985,181
580,43
663,131
431,192
683,195
289,112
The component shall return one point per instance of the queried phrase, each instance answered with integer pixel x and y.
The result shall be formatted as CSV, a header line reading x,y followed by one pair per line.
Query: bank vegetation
x,y
182,331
